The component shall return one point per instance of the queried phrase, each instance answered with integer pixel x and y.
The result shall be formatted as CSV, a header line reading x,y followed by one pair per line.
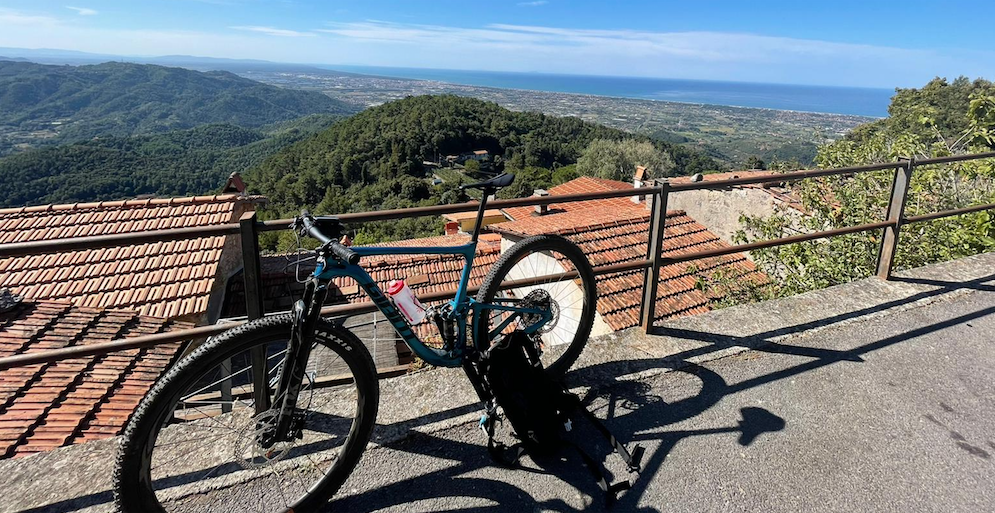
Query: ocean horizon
x,y
857,101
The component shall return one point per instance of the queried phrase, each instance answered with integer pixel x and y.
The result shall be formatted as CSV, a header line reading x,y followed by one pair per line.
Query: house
x,y
580,185
465,221
609,231
85,296
50,405
478,155
182,279
616,230
721,209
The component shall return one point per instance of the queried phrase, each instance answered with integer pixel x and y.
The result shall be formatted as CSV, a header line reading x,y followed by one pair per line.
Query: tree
x,y
755,162
617,160
472,167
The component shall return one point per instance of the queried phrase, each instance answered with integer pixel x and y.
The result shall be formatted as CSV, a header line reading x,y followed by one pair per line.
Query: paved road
x,y
892,414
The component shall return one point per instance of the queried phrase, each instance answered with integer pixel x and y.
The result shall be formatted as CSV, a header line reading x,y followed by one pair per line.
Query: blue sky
x,y
851,43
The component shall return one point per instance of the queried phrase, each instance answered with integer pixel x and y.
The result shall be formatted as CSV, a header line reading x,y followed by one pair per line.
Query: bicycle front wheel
x,y
194,441
571,298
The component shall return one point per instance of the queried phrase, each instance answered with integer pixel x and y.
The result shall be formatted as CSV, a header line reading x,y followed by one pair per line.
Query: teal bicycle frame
x,y
462,305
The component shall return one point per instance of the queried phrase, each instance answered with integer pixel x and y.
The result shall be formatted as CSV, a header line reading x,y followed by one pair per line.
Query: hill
x,y
42,104
177,163
373,160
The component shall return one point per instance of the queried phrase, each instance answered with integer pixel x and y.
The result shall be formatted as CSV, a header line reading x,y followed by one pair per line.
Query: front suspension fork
x,y
306,313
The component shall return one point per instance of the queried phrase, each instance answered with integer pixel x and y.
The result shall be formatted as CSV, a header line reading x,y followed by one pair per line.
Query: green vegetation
x,y
616,160
178,163
942,118
42,104
373,160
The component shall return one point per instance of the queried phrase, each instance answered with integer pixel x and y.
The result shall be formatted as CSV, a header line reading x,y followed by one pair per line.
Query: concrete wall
x,y
719,210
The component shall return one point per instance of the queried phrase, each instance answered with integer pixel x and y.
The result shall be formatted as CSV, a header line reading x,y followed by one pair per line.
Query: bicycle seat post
x,y
487,191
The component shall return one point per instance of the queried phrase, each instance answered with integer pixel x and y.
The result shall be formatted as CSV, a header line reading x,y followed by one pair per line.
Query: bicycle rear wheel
x,y
193,443
571,299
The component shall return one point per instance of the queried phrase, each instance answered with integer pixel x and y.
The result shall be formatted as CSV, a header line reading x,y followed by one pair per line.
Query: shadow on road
x,y
631,408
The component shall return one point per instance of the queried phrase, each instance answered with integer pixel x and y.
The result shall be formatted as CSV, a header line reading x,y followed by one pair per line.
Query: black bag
x,y
540,410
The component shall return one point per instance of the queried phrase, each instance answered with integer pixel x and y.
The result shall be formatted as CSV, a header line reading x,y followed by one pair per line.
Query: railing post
x,y
252,274
896,213
654,248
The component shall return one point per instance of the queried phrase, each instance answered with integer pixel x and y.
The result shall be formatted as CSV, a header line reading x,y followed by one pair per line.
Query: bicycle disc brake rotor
x,y
540,300
249,452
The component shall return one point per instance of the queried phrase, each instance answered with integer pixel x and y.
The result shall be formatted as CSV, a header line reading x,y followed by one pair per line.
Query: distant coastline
x,y
816,99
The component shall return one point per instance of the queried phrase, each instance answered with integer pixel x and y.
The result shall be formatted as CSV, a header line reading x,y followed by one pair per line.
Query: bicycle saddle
x,y
501,180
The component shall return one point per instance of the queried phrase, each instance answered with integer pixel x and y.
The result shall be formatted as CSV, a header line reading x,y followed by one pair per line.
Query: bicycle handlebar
x,y
309,227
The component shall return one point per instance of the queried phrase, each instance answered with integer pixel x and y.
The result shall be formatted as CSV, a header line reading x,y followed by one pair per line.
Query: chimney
x,y
452,228
639,180
541,193
234,184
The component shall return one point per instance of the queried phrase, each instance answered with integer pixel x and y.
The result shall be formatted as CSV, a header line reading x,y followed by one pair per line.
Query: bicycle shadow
x,y
630,408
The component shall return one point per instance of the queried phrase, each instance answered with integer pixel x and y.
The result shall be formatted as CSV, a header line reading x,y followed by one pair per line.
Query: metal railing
x,y
248,228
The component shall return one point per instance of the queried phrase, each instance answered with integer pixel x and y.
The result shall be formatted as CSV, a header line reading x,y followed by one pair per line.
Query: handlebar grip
x,y
343,253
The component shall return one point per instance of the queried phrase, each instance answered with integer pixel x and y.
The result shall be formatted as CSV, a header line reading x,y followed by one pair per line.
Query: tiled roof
x,y
620,235
583,184
165,279
44,406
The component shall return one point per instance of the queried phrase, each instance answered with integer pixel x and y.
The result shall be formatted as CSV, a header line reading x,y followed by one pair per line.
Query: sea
x,y
856,101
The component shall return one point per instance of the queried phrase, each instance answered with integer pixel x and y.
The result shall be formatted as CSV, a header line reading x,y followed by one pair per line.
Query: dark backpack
x,y
540,410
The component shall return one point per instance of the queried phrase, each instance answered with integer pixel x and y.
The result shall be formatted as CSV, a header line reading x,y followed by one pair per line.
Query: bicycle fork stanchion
x,y
654,249
252,275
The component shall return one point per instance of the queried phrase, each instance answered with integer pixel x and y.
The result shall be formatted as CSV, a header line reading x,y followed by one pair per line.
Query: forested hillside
x,y
41,104
387,144
178,163
373,160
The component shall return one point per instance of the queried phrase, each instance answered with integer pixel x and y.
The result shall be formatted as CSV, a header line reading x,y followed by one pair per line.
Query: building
x,y
465,221
721,209
86,296
45,406
616,230
183,279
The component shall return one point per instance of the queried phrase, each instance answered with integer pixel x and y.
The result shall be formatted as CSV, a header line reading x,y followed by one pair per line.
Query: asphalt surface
x,y
893,414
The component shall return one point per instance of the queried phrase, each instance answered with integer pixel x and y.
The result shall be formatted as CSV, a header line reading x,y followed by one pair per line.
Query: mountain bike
x,y
273,415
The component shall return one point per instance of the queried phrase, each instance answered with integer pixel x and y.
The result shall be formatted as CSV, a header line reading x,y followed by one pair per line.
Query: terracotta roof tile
x,y
615,236
45,406
120,276
583,184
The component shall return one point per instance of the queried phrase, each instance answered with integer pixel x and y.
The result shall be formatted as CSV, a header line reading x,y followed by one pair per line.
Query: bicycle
x,y
273,415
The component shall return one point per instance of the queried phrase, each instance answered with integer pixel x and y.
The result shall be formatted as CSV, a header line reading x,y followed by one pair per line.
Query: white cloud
x,y
272,31
535,3
15,18
82,11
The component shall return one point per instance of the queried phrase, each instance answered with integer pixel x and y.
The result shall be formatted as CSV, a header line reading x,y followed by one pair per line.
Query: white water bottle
x,y
406,302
